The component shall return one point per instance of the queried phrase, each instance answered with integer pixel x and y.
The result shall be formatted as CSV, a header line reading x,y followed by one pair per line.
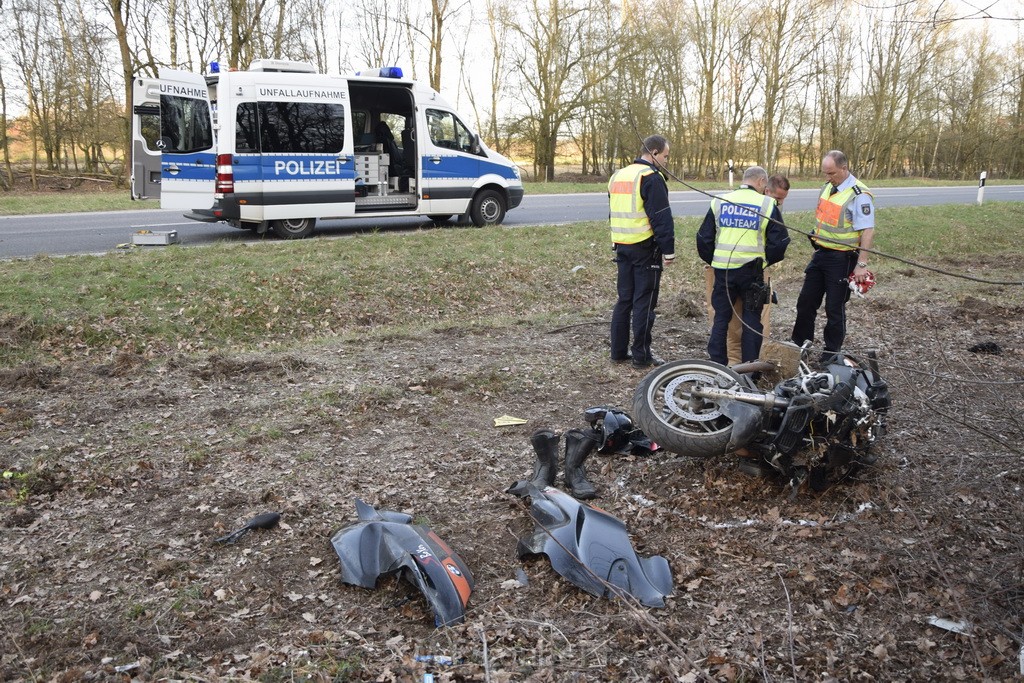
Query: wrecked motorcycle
x,y
816,426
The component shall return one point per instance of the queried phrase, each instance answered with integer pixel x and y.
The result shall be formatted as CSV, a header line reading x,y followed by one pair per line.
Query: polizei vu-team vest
x,y
741,220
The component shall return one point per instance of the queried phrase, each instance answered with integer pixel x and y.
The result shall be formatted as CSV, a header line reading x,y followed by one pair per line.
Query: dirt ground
x,y
119,475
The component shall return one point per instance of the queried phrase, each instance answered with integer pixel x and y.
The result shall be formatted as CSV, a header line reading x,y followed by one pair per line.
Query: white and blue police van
x,y
278,146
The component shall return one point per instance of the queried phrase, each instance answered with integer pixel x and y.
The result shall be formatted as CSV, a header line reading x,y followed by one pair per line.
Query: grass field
x,y
253,296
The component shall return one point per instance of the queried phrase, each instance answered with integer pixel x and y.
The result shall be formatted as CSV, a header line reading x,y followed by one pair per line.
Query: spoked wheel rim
x,y
680,409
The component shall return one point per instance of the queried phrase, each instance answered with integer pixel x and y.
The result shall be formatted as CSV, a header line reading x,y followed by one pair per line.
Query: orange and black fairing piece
x,y
386,542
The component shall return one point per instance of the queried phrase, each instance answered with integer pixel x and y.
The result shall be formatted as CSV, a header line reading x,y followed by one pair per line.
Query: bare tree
x,y
28,56
172,31
629,105
381,34
898,54
436,19
737,92
899,85
834,86
557,39
497,25
670,48
245,17
967,94
1015,132
7,178
784,40
712,21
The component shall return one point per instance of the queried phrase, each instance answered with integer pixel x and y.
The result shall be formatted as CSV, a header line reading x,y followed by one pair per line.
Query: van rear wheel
x,y
488,208
293,228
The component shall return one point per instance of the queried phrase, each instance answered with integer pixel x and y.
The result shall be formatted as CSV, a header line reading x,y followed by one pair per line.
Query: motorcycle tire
x,y
678,422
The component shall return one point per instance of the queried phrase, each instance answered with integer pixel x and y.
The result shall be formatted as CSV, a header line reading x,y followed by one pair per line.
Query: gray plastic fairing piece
x,y
746,422
591,548
384,543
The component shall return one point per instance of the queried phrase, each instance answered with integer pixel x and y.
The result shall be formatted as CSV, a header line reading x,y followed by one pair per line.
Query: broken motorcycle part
x,y
267,520
816,426
591,549
386,542
615,432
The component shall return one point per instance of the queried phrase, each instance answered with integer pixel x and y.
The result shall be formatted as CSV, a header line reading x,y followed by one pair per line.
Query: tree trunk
x,y
7,179
128,73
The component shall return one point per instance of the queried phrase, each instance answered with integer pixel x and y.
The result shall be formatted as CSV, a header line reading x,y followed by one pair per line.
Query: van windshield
x,y
185,125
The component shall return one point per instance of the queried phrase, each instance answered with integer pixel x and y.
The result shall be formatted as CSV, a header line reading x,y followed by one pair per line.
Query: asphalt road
x,y
88,233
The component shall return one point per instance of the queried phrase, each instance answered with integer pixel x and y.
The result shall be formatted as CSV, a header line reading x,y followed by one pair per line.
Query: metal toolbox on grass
x,y
158,237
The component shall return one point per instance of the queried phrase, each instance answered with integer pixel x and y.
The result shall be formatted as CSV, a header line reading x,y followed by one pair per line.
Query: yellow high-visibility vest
x,y
627,219
739,230
830,216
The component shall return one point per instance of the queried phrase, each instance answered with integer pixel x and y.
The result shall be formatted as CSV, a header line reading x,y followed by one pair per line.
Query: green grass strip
x,y
279,294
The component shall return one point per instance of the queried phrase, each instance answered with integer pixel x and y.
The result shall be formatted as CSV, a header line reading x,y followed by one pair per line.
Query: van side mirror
x,y
475,147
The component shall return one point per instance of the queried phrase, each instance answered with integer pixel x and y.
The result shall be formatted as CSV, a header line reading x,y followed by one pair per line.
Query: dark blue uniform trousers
x,y
639,279
730,284
826,276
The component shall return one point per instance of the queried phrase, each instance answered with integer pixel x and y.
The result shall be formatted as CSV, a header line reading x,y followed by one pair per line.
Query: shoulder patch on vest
x,y
865,209
857,190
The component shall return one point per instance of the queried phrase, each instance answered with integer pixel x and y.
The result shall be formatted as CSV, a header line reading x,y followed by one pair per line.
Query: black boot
x,y
545,443
578,447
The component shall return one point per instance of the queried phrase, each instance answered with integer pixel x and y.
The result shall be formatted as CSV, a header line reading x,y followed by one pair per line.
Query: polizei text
x,y
307,167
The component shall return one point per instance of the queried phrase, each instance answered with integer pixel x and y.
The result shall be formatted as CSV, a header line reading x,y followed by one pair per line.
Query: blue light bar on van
x,y
215,67
383,72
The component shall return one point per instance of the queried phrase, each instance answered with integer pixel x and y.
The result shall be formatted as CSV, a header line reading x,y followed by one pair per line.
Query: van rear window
x,y
291,127
185,125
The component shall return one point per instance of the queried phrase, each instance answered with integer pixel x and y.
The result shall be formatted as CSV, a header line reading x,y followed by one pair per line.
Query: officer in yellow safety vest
x,y
643,238
845,225
741,234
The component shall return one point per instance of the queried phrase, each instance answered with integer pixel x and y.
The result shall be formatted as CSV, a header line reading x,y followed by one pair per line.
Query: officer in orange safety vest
x,y
643,237
845,227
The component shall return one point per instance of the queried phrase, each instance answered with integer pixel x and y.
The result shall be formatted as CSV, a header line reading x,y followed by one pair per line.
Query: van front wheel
x,y
293,228
488,208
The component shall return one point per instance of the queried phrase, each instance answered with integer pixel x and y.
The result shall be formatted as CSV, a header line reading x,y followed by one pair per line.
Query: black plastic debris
x,y
987,347
616,433
267,520
386,542
590,548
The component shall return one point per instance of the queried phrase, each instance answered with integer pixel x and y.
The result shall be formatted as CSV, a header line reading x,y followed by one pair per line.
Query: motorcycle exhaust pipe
x,y
754,366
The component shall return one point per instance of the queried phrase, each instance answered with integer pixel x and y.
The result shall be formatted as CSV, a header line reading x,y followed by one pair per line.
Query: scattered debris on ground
x,y
116,485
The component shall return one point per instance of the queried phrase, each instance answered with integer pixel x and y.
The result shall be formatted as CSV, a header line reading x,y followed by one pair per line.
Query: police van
x,y
279,146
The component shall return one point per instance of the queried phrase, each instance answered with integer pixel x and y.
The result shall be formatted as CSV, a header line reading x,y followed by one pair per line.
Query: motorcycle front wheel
x,y
668,413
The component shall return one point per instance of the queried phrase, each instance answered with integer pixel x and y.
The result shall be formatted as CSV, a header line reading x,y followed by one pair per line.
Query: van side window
x,y
447,131
362,136
149,127
184,125
304,127
247,130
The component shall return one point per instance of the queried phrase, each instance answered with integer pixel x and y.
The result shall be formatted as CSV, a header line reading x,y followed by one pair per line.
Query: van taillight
x,y
225,175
